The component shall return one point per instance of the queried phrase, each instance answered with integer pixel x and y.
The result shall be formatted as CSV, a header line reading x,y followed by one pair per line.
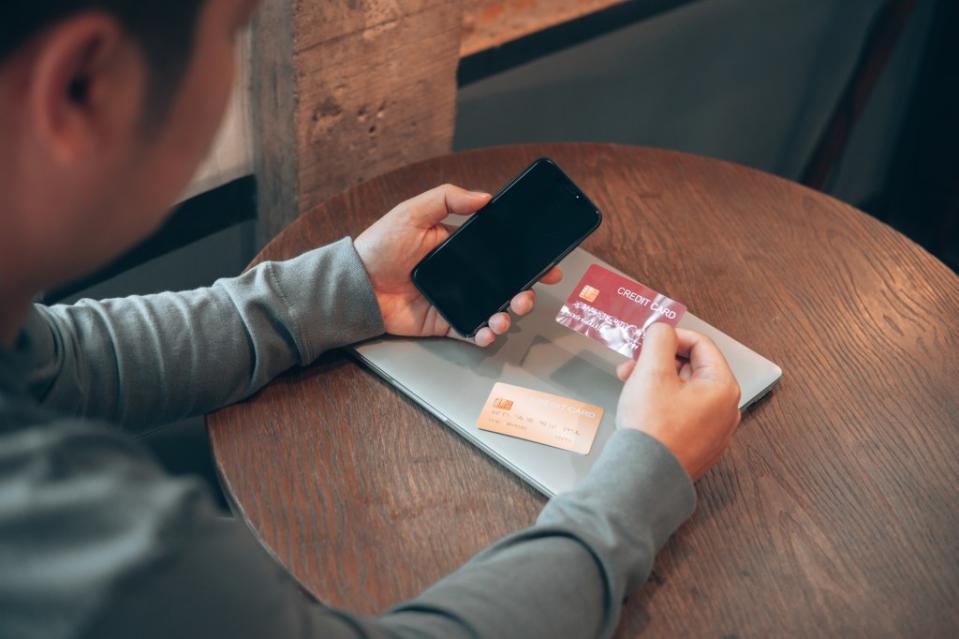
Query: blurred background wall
x,y
754,82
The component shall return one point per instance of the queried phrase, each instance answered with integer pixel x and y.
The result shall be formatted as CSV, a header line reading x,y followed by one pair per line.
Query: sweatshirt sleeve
x,y
144,360
565,576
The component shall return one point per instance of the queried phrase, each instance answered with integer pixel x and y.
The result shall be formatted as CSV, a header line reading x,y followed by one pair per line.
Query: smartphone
x,y
505,247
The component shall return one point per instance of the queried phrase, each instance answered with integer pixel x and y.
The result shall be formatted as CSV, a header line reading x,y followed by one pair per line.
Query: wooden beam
x,y
491,23
345,90
273,107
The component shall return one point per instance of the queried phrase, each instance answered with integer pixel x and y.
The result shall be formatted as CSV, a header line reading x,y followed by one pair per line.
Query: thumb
x,y
429,208
658,355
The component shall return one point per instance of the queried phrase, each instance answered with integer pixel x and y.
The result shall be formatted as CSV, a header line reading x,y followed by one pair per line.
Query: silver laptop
x,y
453,380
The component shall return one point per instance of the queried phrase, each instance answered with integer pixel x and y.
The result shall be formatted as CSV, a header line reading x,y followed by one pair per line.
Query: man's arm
x,y
156,358
142,361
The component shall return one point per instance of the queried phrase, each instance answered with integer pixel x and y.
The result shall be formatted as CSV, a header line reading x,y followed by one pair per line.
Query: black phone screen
x,y
506,246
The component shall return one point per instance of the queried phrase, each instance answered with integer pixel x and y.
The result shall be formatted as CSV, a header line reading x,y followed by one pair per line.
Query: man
x,y
106,107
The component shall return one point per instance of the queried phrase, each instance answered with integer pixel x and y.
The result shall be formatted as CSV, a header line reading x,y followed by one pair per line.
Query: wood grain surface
x,y
834,513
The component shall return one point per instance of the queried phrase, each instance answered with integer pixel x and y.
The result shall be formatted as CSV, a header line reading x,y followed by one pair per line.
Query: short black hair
x,y
164,30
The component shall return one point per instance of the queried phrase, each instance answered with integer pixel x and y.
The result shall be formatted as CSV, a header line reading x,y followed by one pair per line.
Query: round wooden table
x,y
835,511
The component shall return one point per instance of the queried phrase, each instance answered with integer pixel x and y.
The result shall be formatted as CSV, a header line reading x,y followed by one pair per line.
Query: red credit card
x,y
616,310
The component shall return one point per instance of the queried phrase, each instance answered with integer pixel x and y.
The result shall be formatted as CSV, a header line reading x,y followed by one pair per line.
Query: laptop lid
x,y
453,379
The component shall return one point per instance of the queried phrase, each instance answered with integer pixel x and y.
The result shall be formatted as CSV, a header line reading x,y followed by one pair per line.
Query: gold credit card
x,y
541,417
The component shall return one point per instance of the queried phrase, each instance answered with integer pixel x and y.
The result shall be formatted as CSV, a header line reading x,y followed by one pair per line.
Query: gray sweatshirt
x,y
96,541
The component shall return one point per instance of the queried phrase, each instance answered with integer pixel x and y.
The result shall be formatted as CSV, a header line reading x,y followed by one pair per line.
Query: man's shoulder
x,y
60,473
82,506
96,462
28,428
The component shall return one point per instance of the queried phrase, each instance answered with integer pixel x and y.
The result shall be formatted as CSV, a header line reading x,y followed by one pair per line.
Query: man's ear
x,y
84,88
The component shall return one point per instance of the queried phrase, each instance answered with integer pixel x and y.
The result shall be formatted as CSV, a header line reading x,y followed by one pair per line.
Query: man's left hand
x,y
400,239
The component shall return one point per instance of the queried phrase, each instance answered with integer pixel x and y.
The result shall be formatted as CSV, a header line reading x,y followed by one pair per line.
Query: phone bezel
x,y
503,191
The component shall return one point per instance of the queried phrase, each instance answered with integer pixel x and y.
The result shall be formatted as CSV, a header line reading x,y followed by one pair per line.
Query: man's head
x,y
106,109
163,33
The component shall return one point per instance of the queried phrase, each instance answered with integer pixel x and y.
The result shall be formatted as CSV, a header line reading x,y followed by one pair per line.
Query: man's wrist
x,y
636,495
330,298
665,444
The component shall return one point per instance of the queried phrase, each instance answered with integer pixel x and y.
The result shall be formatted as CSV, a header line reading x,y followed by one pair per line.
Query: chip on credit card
x,y
540,417
616,311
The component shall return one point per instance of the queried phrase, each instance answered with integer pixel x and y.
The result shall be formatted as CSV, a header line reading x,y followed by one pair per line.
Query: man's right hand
x,y
691,407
